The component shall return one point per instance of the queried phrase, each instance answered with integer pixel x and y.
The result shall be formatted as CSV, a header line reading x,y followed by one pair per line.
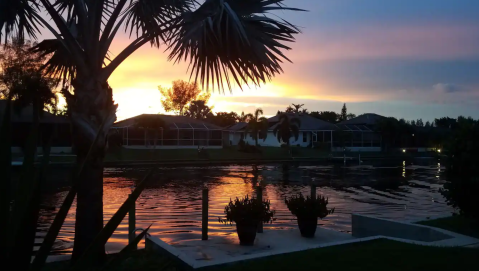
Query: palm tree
x,y
257,126
287,128
218,39
297,108
244,117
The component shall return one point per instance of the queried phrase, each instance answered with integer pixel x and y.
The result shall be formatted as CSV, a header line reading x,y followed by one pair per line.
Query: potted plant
x,y
307,210
247,213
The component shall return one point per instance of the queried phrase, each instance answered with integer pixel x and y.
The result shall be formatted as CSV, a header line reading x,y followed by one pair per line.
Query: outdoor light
x,y
403,150
439,150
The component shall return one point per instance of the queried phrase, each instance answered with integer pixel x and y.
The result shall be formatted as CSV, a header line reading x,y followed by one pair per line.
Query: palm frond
x,y
295,122
257,113
18,17
146,16
233,38
59,65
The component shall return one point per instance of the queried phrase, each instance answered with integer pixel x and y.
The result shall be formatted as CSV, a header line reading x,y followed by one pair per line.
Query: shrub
x,y
241,145
248,211
306,207
462,172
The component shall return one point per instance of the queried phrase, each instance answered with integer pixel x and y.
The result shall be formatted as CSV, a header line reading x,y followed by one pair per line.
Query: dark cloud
x,y
449,88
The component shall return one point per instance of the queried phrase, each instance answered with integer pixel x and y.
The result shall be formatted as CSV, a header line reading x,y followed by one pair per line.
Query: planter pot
x,y
307,226
246,233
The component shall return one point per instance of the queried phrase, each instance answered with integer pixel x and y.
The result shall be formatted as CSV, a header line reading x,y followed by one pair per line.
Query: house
x,y
312,133
21,123
167,132
359,134
235,133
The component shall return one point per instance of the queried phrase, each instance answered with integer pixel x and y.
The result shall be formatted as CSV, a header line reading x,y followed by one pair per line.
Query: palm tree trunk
x,y
92,117
89,212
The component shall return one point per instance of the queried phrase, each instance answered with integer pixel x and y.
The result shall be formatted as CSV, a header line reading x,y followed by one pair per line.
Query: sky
x,y
403,58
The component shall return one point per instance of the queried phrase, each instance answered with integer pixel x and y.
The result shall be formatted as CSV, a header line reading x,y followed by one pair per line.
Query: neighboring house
x,y
235,133
179,132
359,134
313,132
21,121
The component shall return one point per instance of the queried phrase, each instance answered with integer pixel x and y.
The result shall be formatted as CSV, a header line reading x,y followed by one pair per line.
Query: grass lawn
x,y
455,223
369,256
377,255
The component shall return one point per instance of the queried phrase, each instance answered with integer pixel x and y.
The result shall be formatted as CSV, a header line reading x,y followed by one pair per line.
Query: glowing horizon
x,y
400,58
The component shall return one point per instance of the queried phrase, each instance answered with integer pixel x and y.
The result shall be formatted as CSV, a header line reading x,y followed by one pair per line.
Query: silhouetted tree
x,y
287,128
289,109
428,124
198,110
257,126
446,122
22,80
462,173
180,95
223,119
218,38
328,116
419,123
344,113
297,108
244,117
351,116
413,123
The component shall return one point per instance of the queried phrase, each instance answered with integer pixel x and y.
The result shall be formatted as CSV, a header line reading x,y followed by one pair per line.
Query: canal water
x,y
171,203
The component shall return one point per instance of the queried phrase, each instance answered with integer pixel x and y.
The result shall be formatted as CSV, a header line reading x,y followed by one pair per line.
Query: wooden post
x,y
204,220
259,196
313,190
132,224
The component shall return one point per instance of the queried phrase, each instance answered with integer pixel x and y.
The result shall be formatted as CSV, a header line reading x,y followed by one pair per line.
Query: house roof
x,y
236,127
24,115
308,123
171,121
364,119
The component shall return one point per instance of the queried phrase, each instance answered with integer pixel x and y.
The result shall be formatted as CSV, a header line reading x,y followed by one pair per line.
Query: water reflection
x,y
172,199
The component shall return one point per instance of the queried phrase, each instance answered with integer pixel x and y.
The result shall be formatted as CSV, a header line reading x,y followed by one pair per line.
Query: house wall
x,y
234,138
272,141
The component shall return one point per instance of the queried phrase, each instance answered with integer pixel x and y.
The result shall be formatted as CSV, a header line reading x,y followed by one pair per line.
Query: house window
x,y
305,137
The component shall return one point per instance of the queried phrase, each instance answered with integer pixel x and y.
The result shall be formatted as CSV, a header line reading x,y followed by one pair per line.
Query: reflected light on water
x,y
171,202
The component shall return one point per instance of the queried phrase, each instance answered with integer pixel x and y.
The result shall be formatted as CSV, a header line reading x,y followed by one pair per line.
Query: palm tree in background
x,y
244,117
287,128
217,38
257,126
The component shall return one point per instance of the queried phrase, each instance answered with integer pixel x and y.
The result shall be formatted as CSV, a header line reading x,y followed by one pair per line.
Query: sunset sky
x,y
403,58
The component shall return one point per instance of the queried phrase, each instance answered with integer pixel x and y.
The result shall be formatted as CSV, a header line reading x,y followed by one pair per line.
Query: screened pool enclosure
x,y
167,131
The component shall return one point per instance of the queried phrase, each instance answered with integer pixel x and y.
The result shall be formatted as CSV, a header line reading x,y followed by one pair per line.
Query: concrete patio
x,y
225,249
